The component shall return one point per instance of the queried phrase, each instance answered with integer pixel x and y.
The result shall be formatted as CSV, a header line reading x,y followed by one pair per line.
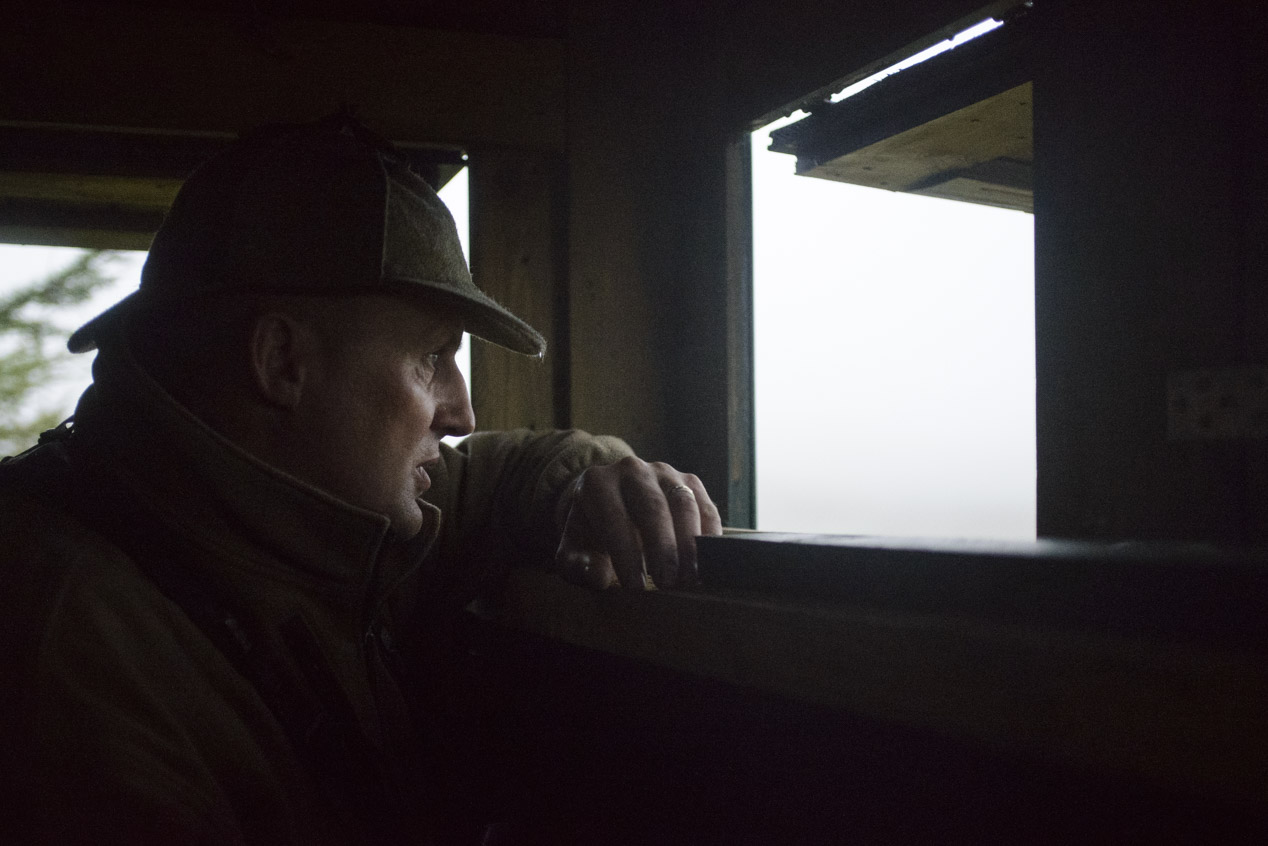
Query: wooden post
x,y
517,257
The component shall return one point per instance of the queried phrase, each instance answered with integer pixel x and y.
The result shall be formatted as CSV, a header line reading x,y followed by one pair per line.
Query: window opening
x,y
456,195
894,365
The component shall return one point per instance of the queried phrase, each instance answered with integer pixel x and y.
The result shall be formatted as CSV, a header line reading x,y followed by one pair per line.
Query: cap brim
x,y
84,339
483,316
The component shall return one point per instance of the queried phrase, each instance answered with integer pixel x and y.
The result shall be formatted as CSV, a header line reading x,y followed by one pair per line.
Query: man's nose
x,y
454,415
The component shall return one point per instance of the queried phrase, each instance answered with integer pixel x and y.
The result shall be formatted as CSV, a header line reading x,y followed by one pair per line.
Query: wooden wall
x,y
1148,194
649,320
113,65
1251,22
518,255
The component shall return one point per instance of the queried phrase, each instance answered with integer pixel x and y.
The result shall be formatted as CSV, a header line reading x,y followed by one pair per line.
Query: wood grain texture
x,y
651,299
741,498
154,192
517,258
999,127
1171,716
616,191
112,66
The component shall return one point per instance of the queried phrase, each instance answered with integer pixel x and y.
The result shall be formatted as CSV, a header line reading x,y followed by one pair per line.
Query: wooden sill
x,y
1178,716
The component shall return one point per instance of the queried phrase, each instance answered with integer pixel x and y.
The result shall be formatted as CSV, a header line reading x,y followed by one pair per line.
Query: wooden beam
x,y
155,193
80,238
115,66
797,53
647,250
517,257
617,204
741,498
87,225
989,143
1174,716
985,67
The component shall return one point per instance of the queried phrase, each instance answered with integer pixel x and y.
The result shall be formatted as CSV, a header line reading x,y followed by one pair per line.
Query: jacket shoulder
x,y
103,678
41,541
46,552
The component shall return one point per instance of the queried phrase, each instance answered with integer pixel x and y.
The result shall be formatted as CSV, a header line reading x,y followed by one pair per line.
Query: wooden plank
x,y
517,257
925,158
81,238
741,497
115,66
1180,592
113,221
1171,716
616,199
648,253
988,65
797,53
88,188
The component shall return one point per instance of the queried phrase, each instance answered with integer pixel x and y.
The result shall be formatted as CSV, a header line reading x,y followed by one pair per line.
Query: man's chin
x,y
407,523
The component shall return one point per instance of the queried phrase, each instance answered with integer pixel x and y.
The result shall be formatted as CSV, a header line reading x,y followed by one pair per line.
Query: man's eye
x,y
428,365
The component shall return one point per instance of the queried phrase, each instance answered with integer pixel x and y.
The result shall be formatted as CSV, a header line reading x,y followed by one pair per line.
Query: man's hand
x,y
634,523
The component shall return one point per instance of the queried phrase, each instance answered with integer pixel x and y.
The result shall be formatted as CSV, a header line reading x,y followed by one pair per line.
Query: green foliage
x,y
33,344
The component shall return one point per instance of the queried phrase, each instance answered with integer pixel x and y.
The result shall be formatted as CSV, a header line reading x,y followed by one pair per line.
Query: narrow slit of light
x,y
923,56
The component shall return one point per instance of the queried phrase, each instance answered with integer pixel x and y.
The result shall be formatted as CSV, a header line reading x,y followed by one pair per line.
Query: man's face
x,y
377,402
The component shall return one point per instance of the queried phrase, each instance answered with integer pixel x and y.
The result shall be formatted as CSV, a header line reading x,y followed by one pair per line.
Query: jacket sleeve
x,y
498,492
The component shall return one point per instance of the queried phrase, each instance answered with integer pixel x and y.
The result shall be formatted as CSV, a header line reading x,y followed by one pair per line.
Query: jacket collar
x,y
265,521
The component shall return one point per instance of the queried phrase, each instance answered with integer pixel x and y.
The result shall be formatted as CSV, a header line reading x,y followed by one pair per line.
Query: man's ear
x,y
281,351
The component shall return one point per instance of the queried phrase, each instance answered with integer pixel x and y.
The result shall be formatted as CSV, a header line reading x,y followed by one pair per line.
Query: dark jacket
x,y
203,649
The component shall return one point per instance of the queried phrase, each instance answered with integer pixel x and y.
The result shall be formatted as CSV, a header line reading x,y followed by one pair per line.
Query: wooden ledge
x,y
1175,716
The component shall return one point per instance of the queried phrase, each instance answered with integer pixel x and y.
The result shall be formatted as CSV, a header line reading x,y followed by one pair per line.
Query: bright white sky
x,y
894,360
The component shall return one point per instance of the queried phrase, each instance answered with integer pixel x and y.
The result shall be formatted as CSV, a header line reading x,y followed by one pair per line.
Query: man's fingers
x,y
645,517
685,509
610,528
710,518
579,559
650,509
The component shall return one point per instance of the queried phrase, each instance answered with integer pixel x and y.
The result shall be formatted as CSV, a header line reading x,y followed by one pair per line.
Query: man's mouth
x,y
421,476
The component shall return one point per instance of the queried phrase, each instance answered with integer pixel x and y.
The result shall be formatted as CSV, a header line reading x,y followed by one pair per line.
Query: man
x,y
221,580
